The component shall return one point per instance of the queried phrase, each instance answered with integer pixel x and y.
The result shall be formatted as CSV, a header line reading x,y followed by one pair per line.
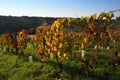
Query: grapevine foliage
x,y
22,39
55,41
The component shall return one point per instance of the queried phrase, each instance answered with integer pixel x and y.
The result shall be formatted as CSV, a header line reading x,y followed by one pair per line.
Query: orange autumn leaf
x,y
85,40
82,45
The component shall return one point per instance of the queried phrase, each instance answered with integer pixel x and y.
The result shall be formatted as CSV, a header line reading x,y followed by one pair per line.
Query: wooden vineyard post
x,y
16,43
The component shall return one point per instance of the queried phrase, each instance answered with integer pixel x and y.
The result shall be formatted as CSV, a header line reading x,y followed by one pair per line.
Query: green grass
x,y
104,66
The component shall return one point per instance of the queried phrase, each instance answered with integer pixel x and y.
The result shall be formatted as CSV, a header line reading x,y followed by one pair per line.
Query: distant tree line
x,y
14,24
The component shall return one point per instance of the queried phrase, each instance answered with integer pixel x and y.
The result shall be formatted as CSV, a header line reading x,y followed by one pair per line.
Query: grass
x,y
104,66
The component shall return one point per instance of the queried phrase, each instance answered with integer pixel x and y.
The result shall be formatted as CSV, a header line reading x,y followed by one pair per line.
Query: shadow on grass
x,y
72,71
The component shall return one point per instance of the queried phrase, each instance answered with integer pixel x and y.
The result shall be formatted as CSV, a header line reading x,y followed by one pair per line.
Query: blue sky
x,y
57,8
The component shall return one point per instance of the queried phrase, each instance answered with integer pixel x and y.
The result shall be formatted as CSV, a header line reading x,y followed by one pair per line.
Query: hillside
x,y
15,24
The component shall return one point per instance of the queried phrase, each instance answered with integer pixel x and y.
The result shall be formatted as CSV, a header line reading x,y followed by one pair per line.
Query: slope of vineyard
x,y
54,53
